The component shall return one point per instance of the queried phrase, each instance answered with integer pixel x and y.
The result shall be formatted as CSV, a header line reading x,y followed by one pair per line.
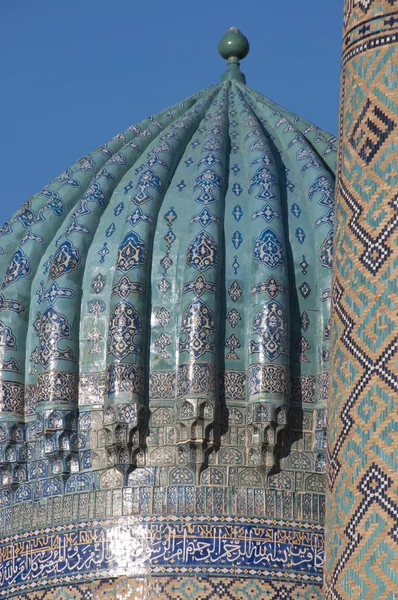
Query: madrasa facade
x,y
199,350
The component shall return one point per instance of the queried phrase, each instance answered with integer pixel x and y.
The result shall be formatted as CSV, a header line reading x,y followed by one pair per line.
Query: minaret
x,y
362,517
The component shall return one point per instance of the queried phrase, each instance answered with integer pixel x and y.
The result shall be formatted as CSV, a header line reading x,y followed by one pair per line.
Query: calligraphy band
x,y
128,546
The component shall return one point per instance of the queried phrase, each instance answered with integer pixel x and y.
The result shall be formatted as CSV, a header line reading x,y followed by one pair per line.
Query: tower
x,y
362,510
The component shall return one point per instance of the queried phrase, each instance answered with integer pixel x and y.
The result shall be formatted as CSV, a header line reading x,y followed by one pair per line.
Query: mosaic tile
x,y
176,588
362,473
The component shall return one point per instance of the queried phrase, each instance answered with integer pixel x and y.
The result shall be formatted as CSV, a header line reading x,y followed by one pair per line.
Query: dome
x,y
164,307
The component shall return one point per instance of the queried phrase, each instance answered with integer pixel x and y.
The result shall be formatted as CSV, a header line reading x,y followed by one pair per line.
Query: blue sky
x,y
76,72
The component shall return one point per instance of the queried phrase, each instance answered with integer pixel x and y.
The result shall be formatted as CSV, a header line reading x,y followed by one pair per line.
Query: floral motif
x,y
296,210
54,203
7,339
162,316
96,307
161,385
323,186
303,345
53,293
166,262
110,230
146,181
304,266
94,337
98,283
204,218
86,164
237,239
162,342
264,159
300,235
268,249
267,213
210,160
202,253
5,229
272,287
95,194
199,286
304,321
213,145
326,251
271,331
51,327
237,189
305,290
65,260
237,213
306,153
235,265
31,237
137,216
125,329
232,343
207,181
125,287
265,180
76,227
233,317
132,252
235,291
181,186
11,397
328,219
125,378
19,267
103,252
26,216
170,216
163,286
198,329
13,305
10,365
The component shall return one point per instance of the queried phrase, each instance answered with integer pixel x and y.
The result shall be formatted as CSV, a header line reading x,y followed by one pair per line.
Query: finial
x,y
233,46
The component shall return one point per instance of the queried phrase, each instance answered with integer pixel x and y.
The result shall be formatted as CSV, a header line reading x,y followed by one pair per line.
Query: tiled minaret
x,y
362,516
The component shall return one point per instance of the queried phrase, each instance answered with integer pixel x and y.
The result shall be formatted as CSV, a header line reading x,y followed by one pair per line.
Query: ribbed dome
x,y
172,282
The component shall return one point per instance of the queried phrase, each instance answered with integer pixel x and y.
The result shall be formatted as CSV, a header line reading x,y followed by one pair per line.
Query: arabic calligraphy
x,y
129,547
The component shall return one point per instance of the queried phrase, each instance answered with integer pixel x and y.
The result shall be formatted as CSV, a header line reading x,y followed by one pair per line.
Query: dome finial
x,y
233,46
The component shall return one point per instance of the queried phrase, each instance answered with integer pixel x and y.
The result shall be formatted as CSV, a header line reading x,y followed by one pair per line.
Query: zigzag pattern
x,y
373,486
372,367
362,524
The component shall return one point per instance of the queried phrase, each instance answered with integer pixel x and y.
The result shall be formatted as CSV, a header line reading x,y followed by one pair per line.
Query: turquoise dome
x,y
165,304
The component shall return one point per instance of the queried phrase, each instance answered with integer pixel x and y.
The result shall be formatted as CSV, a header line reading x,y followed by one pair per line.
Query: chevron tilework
x,y
362,521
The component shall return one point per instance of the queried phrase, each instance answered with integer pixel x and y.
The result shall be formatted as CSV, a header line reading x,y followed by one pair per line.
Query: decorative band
x,y
379,41
128,546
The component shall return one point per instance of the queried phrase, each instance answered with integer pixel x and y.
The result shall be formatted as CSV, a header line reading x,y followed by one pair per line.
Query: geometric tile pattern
x,y
177,588
362,507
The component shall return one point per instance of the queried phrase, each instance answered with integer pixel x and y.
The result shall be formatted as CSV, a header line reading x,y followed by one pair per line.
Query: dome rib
x,y
156,308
